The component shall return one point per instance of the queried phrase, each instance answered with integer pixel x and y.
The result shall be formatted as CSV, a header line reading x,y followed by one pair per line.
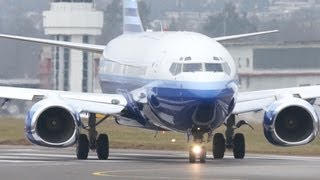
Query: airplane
x,y
171,81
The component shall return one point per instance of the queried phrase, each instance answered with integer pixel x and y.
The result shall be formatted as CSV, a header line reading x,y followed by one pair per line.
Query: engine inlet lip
x,y
35,132
289,143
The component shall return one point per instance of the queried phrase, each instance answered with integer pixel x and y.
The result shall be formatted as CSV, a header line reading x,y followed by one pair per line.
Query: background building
x,y
265,66
75,21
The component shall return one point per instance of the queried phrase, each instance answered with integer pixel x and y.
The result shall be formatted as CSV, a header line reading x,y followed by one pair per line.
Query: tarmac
x,y
32,162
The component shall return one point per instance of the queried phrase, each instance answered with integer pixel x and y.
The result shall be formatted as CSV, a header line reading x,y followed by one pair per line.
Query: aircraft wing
x,y
79,46
259,100
81,102
232,37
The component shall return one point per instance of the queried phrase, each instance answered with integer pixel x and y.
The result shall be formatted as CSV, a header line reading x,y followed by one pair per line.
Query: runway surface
x,y
31,162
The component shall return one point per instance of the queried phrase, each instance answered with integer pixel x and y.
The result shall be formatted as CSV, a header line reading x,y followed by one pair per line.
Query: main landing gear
x,y
234,142
95,142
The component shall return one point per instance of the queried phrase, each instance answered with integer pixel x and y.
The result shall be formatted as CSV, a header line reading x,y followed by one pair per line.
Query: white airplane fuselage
x,y
172,80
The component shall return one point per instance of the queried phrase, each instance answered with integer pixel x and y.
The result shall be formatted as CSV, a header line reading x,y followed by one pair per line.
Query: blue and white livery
x,y
179,81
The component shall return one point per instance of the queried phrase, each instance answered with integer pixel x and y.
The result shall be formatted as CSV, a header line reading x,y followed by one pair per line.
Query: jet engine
x,y
291,122
52,124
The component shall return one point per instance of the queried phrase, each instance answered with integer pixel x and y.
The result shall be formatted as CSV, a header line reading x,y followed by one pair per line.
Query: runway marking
x,y
111,174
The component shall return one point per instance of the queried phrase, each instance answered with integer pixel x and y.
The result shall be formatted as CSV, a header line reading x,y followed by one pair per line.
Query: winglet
x,y
131,19
226,38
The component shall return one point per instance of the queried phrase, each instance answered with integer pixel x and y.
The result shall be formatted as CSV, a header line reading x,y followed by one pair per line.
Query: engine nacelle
x,y
52,124
291,122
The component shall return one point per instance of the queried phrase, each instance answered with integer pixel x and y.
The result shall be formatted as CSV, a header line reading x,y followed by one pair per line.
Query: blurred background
x,y
286,59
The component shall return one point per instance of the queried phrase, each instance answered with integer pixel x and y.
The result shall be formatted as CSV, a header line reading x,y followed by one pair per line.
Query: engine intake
x,y
290,122
52,124
55,125
294,124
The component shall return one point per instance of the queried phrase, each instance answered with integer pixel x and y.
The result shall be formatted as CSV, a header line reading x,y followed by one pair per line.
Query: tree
x,y
112,26
228,22
174,25
179,25
249,5
144,11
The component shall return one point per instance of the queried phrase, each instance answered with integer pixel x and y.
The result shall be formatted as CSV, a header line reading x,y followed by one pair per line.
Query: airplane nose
x,y
212,108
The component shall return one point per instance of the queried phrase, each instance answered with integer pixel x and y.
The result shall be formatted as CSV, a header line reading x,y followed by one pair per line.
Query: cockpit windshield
x,y
177,68
213,67
192,67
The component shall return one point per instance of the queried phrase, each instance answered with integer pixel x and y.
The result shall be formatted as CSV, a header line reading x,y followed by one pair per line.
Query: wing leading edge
x,y
232,37
82,102
259,100
79,46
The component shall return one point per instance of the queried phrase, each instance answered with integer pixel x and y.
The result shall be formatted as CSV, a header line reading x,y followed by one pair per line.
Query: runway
x,y
31,162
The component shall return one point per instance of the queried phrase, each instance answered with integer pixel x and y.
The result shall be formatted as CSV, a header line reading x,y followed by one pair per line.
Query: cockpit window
x,y
216,58
175,68
192,67
178,68
227,68
187,58
213,67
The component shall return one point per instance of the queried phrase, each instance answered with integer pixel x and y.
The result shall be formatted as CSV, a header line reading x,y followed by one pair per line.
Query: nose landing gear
x,y
198,148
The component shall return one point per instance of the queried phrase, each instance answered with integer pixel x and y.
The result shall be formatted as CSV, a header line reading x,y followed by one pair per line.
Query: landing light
x,y
115,101
196,149
173,140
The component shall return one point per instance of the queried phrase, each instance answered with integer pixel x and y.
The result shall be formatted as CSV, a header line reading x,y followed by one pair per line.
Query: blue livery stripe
x,y
131,19
132,28
130,12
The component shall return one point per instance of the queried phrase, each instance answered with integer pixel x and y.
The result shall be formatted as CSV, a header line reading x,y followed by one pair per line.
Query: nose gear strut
x,y
198,148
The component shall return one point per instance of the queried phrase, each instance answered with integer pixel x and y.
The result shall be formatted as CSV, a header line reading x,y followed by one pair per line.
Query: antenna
x,y
161,26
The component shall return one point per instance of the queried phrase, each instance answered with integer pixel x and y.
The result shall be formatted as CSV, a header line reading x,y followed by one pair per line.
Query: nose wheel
x,y
197,151
203,155
192,156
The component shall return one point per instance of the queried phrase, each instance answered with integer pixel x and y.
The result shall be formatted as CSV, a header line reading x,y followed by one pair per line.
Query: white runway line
x,y
38,155
21,155
283,157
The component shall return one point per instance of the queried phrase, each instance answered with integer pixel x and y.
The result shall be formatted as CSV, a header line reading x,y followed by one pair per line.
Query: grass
x,y
12,132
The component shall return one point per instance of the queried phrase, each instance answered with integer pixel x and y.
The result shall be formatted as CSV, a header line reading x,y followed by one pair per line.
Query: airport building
x,y
265,66
75,21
